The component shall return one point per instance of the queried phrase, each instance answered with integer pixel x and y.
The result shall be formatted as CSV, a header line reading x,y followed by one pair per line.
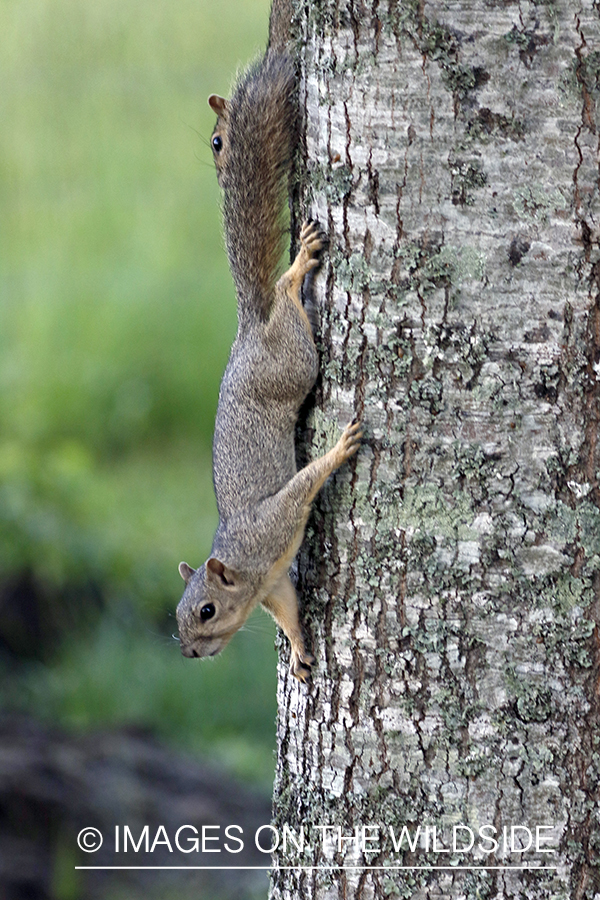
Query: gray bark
x,y
450,580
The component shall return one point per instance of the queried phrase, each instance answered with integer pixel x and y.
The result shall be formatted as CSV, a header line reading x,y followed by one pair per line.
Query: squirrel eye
x,y
207,611
217,143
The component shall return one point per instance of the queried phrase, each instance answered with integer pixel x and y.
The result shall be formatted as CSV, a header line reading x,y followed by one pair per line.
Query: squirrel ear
x,y
219,105
185,571
220,572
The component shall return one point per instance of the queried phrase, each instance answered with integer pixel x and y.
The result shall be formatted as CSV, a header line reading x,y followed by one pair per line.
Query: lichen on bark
x,y
450,580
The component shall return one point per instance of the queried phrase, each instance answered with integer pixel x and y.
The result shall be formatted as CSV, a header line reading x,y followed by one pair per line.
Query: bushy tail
x,y
262,129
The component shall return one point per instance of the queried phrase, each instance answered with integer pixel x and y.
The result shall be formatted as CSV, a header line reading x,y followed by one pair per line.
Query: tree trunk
x,y
450,580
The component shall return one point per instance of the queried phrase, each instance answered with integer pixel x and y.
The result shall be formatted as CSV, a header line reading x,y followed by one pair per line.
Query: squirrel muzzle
x,y
213,607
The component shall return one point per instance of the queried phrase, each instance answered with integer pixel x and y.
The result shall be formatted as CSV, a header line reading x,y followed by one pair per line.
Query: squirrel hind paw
x,y
311,242
311,238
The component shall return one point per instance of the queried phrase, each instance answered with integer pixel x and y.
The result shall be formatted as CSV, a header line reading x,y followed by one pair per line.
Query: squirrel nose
x,y
189,652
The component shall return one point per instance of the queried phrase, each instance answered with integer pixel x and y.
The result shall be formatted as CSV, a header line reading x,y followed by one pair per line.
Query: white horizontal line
x,y
329,868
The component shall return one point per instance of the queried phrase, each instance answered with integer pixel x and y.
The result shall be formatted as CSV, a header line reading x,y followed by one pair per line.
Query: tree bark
x,y
450,580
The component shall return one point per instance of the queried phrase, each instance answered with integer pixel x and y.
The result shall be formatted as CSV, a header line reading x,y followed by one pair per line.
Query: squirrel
x,y
263,501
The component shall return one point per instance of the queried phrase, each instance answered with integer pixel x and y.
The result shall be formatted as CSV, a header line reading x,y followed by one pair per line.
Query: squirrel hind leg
x,y
282,603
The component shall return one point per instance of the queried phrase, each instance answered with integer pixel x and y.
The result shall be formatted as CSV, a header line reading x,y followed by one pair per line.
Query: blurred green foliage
x,y
117,312
127,672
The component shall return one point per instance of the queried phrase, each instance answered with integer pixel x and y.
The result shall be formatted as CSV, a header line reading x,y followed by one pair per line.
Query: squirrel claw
x,y
310,238
350,440
300,667
307,258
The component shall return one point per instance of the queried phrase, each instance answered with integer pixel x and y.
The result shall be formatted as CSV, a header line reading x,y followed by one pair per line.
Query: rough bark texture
x,y
451,576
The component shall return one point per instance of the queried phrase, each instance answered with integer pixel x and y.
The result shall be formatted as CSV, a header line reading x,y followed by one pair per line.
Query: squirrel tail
x,y
262,131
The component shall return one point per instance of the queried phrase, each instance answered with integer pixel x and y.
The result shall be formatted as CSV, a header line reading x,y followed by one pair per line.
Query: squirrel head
x,y
216,602
218,140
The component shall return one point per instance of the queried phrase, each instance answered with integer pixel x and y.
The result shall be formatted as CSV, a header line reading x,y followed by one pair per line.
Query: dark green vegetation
x,y
116,316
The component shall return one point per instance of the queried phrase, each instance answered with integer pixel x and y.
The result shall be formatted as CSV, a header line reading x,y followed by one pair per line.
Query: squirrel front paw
x,y
300,664
349,442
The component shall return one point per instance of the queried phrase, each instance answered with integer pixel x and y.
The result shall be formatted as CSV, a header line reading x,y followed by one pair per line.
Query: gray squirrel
x,y
263,501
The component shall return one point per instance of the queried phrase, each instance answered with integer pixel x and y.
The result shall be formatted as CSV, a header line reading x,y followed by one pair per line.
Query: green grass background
x,y
117,312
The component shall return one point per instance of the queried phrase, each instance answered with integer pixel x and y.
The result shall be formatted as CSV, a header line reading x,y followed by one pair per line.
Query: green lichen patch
x,y
486,124
425,267
352,273
533,201
527,42
466,176
335,182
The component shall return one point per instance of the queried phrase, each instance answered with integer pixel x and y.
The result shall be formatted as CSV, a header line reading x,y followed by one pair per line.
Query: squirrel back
x,y
253,144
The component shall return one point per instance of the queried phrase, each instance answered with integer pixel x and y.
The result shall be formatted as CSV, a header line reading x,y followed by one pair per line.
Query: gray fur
x,y
263,502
